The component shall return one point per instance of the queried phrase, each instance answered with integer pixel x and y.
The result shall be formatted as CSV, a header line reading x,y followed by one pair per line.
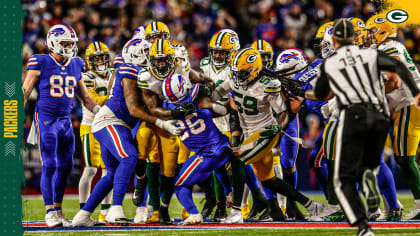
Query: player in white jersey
x,y
170,150
96,80
256,99
407,124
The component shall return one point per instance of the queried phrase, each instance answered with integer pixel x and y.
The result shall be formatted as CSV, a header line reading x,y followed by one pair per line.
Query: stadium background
x,y
283,23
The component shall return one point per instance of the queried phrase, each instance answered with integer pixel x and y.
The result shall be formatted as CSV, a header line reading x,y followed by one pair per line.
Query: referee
x,y
352,75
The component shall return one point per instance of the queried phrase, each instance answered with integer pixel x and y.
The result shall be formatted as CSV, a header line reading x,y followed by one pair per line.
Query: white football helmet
x,y
139,33
326,45
175,88
136,52
291,61
62,33
234,37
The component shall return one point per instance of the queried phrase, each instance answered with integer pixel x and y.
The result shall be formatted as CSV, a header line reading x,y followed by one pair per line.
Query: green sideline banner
x,y
12,117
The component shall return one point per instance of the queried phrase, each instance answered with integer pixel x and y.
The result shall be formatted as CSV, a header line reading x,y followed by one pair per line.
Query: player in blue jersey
x,y
201,136
112,128
57,78
138,34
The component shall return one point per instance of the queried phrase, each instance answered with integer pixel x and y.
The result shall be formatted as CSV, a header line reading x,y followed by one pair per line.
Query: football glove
x,y
205,90
270,131
184,110
169,125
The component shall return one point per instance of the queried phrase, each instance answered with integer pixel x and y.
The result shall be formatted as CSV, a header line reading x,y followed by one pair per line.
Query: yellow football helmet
x,y
97,57
266,51
245,67
320,35
221,49
359,30
162,58
157,30
379,29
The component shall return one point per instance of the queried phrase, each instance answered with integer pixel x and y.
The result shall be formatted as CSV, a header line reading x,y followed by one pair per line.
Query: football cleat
x,y
372,193
367,231
373,215
265,216
139,190
193,219
52,220
292,210
220,213
141,215
235,217
154,218
257,208
83,219
164,218
315,209
64,220
413,215
274,210
332,213
116,216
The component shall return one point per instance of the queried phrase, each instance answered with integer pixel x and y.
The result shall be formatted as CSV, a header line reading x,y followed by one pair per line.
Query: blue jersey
x,y
200,134
57,84
118,61
309,76
116,101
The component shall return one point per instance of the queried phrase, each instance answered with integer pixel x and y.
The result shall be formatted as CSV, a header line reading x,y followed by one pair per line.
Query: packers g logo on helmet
x,y
157,30
359,30
221,49
266,51
162,58
97,57
380,29
397,16
245,67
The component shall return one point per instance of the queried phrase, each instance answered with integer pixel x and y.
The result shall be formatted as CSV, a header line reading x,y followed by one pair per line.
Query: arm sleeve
x,y
101,100
34,63
221,90
388,63
277,103
322,87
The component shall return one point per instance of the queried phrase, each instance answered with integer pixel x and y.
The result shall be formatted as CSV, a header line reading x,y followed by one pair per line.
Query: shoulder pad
x,y
273,86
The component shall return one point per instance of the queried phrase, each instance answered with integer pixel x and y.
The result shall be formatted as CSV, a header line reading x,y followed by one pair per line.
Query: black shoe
x,y
265,216
220,213
365,231
275,211
335,217
394,215
164,218
293,211
259,204
138,194
208,208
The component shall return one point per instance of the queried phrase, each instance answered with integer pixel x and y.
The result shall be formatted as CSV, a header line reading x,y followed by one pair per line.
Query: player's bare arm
x,y
30,80
83,95
133,97
199,77
152,100
217,108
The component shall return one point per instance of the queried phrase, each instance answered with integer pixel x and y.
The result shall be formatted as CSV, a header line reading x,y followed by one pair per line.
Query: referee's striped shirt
x,y
353,75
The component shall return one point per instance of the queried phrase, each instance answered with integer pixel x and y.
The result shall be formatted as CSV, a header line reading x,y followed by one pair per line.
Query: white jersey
x,y
255,104
100,86
218,77
148,80
402,96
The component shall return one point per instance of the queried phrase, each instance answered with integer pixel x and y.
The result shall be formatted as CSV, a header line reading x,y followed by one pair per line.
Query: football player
x,y
112,128
266,51
138,33
200,135
256,98
58,78
96,80
382,35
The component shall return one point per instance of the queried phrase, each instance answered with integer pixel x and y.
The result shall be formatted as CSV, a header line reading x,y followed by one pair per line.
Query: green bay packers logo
x,y
397,16
379,20
251,58
361,24
232,40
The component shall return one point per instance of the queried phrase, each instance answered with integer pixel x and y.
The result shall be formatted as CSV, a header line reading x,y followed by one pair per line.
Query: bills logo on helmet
x,y
132,43
397,16
287,57
174,88
251,58
56,32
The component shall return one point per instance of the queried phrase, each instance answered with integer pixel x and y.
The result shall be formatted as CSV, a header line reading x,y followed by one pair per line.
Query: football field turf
x,y
34,213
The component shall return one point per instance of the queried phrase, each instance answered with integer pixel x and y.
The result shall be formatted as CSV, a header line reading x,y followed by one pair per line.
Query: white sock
x,y
245,197
85,183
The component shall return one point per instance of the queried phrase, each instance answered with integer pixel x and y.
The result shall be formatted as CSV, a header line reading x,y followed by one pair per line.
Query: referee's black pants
x,y
361,135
